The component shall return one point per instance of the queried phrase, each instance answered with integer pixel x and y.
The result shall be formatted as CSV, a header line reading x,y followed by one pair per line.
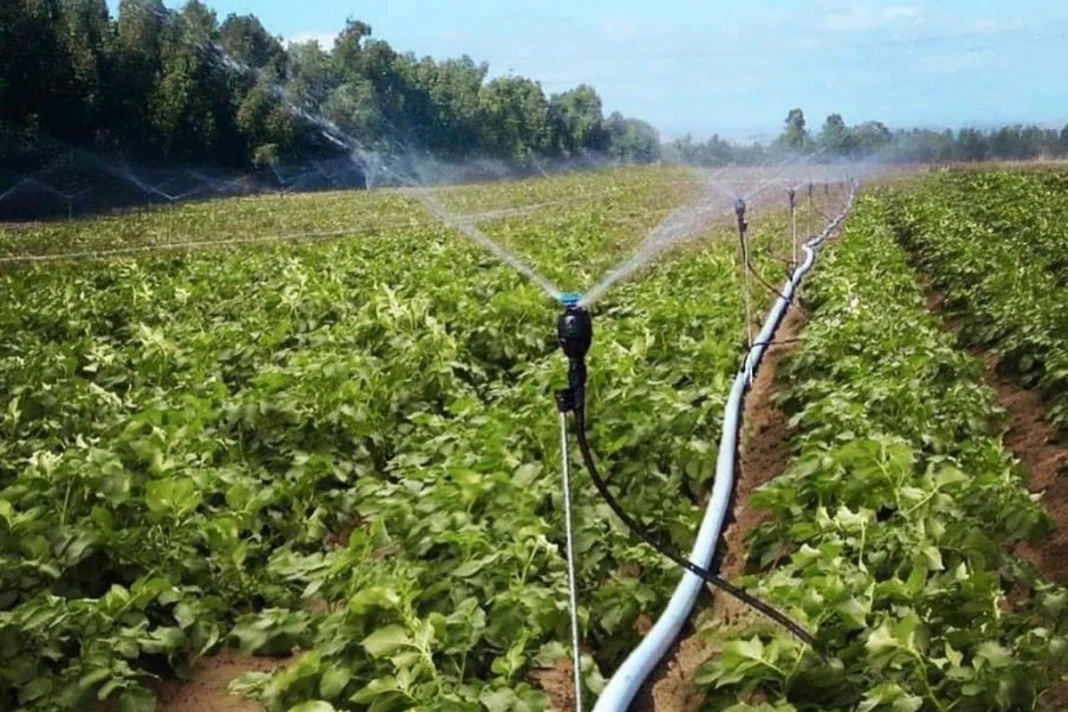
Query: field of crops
x,y
347,447
996,244
893,528
338,437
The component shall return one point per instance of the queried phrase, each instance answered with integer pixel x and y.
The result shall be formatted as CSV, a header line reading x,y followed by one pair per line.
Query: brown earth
x,y
558,683
1033,439
764,457
205,690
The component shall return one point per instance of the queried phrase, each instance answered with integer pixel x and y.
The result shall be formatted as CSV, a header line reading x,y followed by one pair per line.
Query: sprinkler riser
x,y
739,211
574,333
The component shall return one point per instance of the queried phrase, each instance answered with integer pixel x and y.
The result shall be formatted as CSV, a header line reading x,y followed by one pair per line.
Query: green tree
x,y
870,137
835,136
515,118
795,135
632,140
577,121
246,40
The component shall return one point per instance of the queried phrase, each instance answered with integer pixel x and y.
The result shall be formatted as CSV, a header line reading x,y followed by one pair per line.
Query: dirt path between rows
x,y
1033,439
205,690
764,457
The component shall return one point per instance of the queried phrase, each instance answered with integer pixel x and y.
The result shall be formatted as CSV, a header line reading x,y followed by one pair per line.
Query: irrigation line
x,y
631,675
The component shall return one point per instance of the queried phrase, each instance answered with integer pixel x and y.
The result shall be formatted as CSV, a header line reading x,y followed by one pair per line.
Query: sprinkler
x,y
739,210
743,250
574,333
793,223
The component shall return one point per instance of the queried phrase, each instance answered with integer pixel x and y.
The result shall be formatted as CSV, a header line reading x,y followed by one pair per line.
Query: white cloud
x,y
897,12
453,36
957,62
861,18
621,28
987,25
325,39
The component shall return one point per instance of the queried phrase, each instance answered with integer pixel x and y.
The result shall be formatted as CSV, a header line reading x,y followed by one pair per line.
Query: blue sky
x,y
736,68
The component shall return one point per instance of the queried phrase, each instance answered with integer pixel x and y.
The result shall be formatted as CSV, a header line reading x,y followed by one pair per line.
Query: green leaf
x,y
470,568
891,695
995,655
312,706
853,612
385,641
333,681
185,615
137,699
501,700
38,688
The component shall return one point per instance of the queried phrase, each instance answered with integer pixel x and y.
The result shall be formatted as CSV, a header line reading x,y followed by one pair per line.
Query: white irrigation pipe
x,y
628,679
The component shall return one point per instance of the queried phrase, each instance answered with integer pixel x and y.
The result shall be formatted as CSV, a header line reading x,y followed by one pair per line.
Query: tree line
x,y
160,86
872,139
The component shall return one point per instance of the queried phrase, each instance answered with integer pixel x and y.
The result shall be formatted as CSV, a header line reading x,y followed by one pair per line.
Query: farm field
x,y
894,526
996,246
348,448
333,445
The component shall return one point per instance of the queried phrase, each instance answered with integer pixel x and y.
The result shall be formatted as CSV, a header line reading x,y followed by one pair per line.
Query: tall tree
x,y
835,136
794,135
578,121
515,118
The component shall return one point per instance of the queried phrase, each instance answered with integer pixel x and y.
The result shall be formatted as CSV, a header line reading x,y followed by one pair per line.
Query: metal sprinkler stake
x,y
574,333
793,222
743,227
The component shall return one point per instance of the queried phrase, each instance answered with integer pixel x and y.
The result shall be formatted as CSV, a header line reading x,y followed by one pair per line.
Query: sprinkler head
x,y
574,331
739,210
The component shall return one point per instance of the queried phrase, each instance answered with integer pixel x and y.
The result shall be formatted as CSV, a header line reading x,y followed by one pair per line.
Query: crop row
x,y
621,197
890,534
996,245
349,449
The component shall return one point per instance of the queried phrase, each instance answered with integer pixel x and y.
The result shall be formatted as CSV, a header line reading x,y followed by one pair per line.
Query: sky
x,y
704,67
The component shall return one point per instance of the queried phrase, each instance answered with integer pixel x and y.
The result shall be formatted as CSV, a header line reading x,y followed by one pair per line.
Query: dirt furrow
x,y
764,457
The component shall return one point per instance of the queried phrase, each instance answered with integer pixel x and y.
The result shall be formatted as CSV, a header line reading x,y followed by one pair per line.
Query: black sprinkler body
x,y
793,197
739,210
574,333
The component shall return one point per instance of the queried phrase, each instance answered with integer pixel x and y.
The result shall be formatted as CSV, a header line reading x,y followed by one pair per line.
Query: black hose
x,y
669,552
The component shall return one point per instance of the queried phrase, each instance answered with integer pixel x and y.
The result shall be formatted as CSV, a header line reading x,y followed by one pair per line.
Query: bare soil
x,y
764,457
206,691
1033,439
558,683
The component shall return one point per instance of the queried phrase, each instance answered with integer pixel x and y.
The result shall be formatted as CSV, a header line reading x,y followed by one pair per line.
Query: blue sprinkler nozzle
x,y
570,299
